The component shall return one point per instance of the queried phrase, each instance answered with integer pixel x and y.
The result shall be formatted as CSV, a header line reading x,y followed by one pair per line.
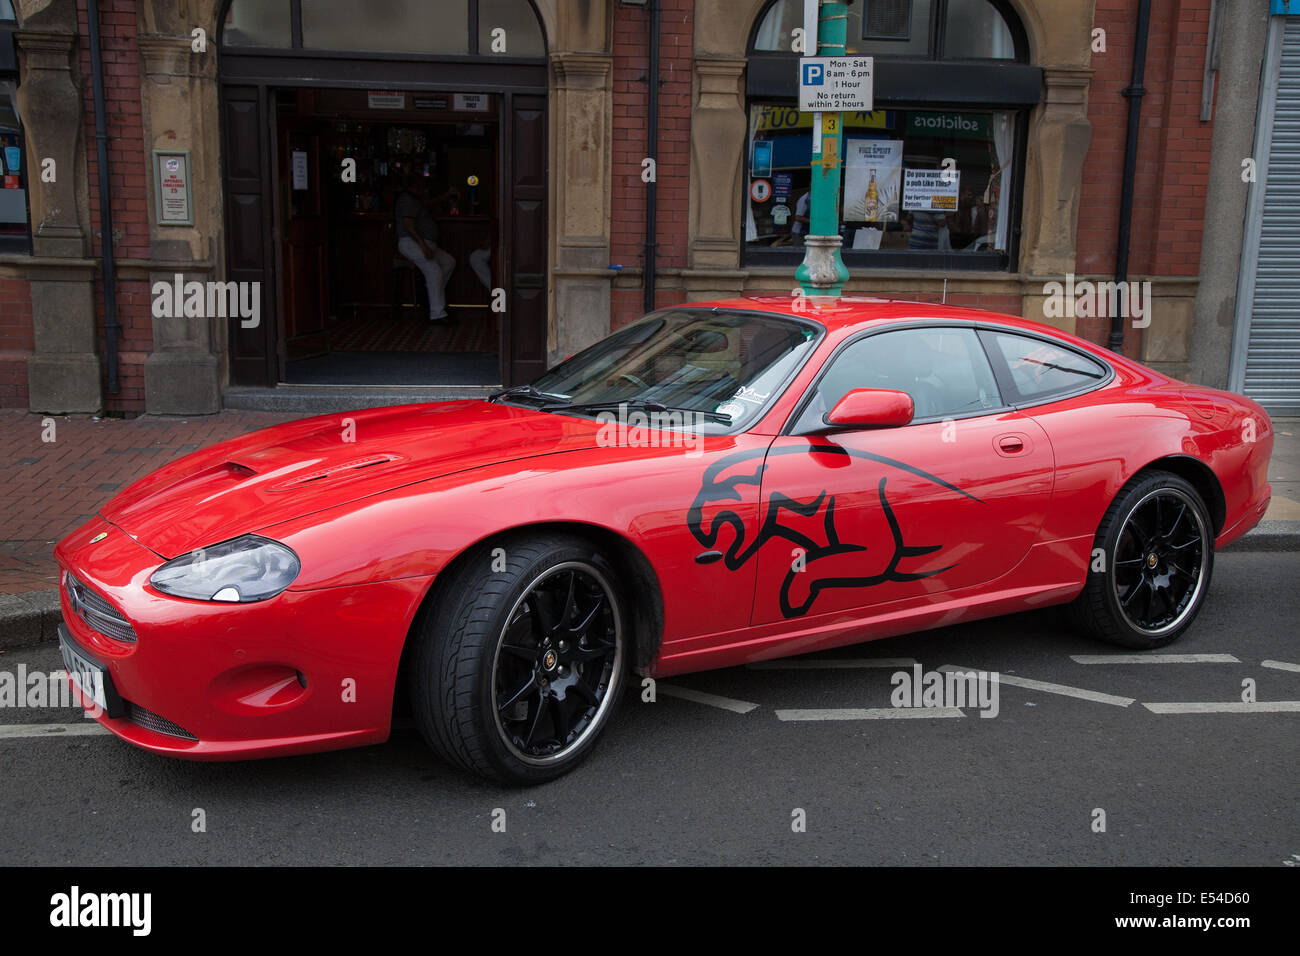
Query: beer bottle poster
x,y
872,179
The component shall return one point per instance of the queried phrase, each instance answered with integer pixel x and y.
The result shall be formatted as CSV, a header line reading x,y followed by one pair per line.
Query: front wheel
x,y
518,668
1152,561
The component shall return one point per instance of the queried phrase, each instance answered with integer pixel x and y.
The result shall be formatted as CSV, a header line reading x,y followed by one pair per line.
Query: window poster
x,y
872,180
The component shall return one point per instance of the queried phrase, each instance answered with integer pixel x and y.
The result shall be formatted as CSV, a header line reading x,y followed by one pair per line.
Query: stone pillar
x,y
718,127
581,118
1058,140
63,373
179,111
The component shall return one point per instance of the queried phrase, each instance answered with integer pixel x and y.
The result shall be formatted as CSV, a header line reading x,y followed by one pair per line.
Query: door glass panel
x,y
943,369
386,26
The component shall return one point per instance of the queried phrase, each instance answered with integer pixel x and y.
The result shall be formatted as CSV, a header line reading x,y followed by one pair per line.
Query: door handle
x,y
1011,444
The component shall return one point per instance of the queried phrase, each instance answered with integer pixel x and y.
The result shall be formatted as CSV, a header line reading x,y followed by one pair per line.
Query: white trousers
x,y
436,271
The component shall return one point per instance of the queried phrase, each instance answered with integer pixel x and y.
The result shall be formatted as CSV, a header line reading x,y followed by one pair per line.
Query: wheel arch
x,y
642,591
1201,477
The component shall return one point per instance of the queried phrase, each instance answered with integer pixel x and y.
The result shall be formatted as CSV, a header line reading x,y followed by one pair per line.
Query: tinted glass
x,y
258,23
731,364
1041,370
944,370
523,34
389,26
975,30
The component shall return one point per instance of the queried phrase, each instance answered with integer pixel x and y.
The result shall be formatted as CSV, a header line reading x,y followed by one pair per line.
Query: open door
x,y
304,251
523,327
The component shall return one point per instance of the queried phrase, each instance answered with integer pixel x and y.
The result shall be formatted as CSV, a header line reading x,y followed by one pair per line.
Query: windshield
x,y
720,368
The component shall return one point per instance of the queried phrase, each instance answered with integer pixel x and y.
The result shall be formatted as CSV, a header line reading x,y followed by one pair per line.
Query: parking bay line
x,y
1062,689
1154,659
20,731
1281,666
839,663
869,713
711,700
1226,707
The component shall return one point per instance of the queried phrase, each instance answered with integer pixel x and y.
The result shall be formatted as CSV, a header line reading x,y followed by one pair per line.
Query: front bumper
x,y
304,671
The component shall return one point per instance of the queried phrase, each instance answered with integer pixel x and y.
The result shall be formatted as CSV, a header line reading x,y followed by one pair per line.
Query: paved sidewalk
x,y
48,488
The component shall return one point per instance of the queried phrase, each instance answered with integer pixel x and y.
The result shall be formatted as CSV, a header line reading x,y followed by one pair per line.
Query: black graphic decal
x,y
714,489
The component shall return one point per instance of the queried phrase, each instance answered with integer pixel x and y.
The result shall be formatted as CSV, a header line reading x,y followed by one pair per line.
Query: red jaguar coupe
x,y
717,483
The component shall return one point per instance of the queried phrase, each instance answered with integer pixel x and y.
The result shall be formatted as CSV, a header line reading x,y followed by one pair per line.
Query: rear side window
x,y
1039,370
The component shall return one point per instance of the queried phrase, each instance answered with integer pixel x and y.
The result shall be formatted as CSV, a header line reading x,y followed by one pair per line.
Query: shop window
x,y
470,27
929,179
14,233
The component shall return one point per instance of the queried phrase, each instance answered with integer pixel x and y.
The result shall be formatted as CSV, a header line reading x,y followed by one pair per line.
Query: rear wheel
x,y
1150,575
519,667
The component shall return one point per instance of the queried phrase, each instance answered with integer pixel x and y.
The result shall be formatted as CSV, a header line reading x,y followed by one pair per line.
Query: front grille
x,y
151,721
98,614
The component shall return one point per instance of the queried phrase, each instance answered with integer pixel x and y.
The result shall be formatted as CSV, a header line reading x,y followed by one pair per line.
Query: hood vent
x,y
343,469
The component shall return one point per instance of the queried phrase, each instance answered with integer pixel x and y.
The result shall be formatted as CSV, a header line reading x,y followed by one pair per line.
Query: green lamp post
x,y
822,271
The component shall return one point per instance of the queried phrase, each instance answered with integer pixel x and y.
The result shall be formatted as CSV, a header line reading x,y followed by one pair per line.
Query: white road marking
x,y
869,713
1154,659
1281,666
19,731
1062,689
1227,707
712,700
827,663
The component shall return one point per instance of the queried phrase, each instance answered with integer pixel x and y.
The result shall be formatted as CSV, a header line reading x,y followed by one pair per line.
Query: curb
x,y
29,618
33,617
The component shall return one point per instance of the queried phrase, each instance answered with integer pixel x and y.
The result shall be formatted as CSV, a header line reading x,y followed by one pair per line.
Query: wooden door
x,y
523,326
253,358
304,250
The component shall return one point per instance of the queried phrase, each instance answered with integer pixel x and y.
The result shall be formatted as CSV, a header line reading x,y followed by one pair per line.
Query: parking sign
x,y
835,84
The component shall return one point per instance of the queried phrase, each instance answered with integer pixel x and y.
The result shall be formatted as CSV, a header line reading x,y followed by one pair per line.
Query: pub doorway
x,y
320,140
357,309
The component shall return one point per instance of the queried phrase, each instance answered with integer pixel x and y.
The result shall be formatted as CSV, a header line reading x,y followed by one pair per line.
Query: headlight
x,y
245,569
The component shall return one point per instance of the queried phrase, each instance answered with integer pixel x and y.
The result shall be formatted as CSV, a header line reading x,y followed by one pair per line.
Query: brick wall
x,y
16,341
127,161
631,63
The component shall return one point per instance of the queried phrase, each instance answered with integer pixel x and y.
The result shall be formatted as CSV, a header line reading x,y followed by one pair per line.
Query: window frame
x,y
913,82
1006,381
788,428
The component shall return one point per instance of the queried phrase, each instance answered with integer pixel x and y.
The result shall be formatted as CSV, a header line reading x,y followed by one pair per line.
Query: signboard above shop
x,y
835,83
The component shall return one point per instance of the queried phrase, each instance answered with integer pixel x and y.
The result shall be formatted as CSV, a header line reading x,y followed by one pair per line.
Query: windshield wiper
x,y
527,391
646,404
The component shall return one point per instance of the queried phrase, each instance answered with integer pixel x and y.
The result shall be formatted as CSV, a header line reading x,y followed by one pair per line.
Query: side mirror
x,y
871,408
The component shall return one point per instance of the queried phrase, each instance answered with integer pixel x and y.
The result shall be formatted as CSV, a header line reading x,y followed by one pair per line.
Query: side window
x,y
1040,370
943,369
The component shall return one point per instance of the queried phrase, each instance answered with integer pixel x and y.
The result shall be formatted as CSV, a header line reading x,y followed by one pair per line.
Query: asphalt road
x,y
679,781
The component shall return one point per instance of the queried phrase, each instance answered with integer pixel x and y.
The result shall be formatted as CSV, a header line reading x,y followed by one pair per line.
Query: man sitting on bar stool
x,y
417,240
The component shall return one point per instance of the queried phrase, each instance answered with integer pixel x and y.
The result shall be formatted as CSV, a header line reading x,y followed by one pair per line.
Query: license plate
x,y
89,676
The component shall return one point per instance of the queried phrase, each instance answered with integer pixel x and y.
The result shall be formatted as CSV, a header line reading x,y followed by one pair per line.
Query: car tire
x,y
519,665
1151,564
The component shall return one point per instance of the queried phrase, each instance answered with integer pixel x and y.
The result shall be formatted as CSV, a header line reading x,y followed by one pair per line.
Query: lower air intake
x,y
159,725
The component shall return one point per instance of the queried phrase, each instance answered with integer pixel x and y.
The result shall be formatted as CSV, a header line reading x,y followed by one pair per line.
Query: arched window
x,y
932,177
508,28
14,234
934,29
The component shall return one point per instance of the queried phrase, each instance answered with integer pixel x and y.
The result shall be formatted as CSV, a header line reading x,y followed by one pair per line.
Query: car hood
x,y
288,471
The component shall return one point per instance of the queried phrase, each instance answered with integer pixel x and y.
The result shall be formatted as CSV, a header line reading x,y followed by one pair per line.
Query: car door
x,y
852,518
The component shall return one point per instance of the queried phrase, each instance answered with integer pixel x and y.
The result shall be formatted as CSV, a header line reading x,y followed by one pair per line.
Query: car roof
x,y
851,311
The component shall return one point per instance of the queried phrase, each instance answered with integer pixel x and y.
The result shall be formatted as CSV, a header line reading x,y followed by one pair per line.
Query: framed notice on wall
x,y
173,200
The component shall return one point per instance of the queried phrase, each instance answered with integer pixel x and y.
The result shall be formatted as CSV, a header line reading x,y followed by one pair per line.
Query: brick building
x,y
230,125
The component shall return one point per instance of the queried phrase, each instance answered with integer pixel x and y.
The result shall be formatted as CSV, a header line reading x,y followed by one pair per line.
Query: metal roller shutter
x,y
1272,374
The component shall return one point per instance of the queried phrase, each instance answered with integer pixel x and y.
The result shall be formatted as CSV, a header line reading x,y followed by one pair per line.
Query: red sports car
x,y
714,484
